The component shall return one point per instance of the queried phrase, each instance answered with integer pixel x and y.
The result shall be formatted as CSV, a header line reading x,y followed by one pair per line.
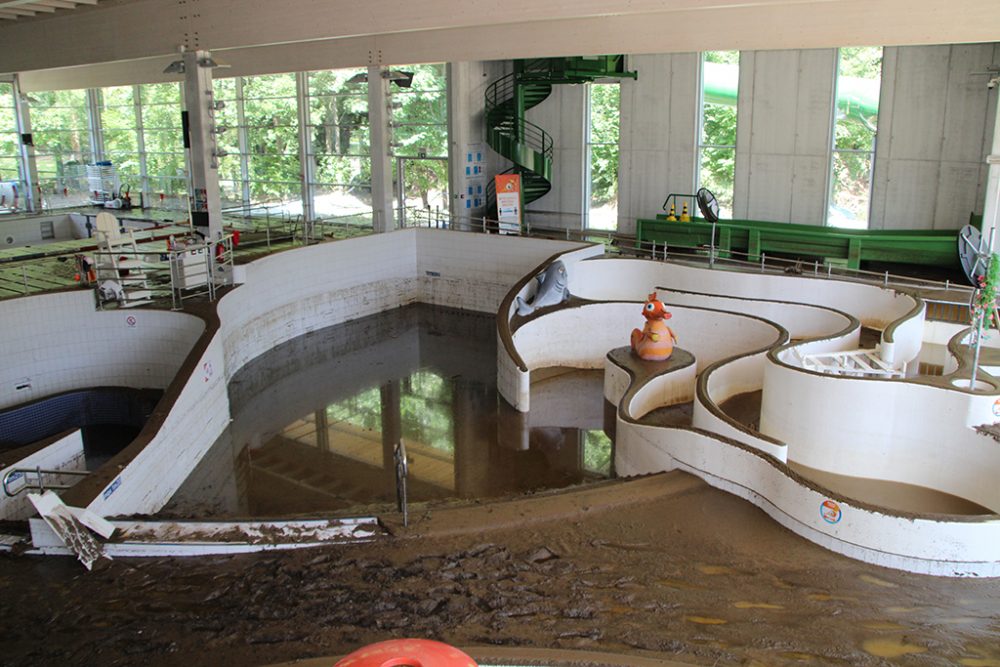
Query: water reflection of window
x,y
597,453
426,414
363,410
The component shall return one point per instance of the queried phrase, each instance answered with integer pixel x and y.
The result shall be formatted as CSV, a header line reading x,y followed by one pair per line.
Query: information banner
x,y
509,203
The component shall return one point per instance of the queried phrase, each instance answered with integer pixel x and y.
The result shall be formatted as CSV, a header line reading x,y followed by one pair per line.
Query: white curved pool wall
x,y
925,545
53,343
289,294
894,430
881,429
580,337
633,279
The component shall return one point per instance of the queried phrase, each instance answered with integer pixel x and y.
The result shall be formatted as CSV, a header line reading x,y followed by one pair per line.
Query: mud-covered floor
x,y
670,568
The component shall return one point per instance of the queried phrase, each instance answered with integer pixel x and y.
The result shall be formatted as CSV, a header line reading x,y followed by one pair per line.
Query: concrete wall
x,y
563,115
658,134
935,128
783,135
57,342
16,232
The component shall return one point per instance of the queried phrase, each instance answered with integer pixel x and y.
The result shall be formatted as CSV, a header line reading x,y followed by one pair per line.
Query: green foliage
x,y
420,129
9,146
597,449
605,106
852,171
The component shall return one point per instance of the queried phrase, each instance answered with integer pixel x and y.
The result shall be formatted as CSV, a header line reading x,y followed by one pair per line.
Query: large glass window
x,y
163,140
60,127
859,75
720,75
272,132
602,155
419,120
11,183
121,136
339,145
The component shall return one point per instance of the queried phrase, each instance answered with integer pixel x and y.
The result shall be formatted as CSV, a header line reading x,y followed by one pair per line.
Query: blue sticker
x,y
114,487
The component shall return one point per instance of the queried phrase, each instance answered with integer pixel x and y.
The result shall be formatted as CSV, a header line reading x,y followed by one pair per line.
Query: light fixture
x,y
400,78
176,67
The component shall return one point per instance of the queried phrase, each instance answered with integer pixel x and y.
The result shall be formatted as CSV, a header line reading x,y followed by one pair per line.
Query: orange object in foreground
x,y
407,652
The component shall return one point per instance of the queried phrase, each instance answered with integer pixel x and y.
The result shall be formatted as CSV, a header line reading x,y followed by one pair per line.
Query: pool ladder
x,y
39,484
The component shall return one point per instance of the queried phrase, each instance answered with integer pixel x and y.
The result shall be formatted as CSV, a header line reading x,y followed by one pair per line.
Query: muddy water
x,y
316,420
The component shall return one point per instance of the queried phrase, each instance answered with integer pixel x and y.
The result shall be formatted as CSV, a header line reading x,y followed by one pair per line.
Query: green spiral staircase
x,y
522,142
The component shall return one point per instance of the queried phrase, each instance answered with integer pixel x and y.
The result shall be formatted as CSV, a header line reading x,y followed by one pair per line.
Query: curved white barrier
x,y
59,342
580,337
883,429
631,279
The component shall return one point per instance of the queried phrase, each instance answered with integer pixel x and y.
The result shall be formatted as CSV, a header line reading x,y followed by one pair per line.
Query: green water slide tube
x,y
857,98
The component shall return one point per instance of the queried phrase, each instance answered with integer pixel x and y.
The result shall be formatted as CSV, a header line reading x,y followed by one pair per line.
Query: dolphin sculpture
x,y
551,290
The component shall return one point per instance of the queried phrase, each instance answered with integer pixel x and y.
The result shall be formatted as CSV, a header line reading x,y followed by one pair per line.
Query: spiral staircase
x,y
519,140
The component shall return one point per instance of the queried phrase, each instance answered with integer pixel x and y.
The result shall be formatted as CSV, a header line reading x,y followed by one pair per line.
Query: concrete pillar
x,y
305,149
199,104
29,167
991,209
94,125
458,137
383,216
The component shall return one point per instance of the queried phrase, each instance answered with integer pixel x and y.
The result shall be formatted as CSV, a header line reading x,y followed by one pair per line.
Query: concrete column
x,y
305,149
94,124
458,136
140,139
991,209
29,166
383,216
206,204
322,430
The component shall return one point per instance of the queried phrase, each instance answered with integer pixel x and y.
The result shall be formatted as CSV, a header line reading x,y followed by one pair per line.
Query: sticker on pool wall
x,y
996,408
830,511
130,321
111,489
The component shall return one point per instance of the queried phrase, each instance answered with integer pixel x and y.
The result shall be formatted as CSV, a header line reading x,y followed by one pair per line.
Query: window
x,y
61,130
859,74
10,172
602,155
121,137
419,139
720,75
339,146
163,141
272,134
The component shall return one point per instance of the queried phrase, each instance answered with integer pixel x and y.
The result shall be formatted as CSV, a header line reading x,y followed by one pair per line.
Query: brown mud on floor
x,y
671,569
672,415
744,408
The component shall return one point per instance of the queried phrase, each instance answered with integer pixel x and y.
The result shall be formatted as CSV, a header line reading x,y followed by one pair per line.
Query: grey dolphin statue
x,y
551,290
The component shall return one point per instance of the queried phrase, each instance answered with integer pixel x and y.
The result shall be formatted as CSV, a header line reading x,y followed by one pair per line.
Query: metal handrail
x,y
39,484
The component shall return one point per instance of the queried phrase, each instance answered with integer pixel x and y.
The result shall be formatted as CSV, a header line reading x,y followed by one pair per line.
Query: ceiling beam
x,y
38,7
389,32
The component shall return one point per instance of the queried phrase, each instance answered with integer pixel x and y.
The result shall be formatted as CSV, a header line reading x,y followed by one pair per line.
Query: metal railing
x,y
39,484
133,277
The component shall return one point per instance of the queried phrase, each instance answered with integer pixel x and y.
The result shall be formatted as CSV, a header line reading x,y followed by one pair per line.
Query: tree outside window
x,y
859,75
720,72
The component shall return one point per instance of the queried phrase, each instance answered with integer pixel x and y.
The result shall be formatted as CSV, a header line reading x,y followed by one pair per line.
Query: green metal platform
x,y
749,239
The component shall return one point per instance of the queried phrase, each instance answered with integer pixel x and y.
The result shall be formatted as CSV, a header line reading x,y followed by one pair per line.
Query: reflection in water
x,y
316,420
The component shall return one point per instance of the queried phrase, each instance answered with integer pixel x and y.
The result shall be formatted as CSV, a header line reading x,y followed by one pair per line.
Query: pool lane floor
x,y
661,567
